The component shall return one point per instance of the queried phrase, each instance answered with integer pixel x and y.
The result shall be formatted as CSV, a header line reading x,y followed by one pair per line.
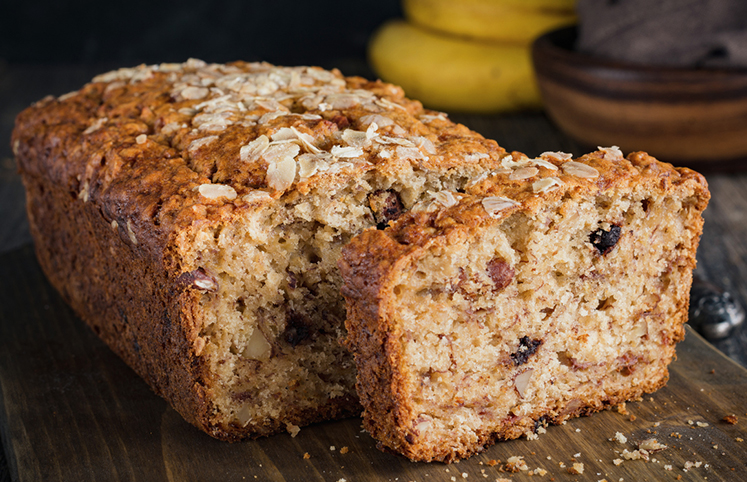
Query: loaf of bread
x,y
544,290
193,215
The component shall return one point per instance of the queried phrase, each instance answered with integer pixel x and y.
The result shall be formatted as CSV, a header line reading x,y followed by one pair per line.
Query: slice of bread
x,y
551,289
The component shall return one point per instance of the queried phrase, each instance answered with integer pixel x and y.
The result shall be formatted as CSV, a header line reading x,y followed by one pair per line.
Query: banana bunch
x,y
467,55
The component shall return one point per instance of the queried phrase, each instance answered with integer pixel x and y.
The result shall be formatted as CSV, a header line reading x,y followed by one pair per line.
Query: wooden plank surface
x,y
71,410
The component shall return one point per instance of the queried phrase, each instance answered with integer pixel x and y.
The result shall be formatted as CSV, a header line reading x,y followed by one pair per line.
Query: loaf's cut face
x,y
193,216
526,302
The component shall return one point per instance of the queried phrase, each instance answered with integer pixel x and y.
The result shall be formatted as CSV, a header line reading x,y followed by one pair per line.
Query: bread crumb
x,y
292,429
332,448
620,438
651,445
539,471
739,439
667,467
493,462
515,464
306,456
344,450
701,424
577,469
730,419
640,454
621,408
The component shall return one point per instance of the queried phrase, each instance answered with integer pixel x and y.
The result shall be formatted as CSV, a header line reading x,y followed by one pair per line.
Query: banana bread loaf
x,y
193,216
548,289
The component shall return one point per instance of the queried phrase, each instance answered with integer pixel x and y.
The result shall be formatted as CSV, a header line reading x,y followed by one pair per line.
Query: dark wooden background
x,y
54,47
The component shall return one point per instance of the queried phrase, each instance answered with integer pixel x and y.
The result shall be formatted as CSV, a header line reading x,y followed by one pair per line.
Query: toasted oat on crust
x,y
525,302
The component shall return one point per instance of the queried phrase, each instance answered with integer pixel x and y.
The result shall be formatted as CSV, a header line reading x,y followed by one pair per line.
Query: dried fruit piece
x,y
500,272
386,206
527,348
297,328
605,240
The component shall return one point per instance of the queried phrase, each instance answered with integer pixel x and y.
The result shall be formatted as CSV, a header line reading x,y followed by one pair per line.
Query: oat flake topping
x,y
495,204
613,153
546,184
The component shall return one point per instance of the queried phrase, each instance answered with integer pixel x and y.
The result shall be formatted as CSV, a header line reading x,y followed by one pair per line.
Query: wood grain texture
x,y
71,410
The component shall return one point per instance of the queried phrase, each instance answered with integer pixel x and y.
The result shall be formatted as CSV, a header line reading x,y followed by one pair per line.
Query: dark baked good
x,y
193,216
551,288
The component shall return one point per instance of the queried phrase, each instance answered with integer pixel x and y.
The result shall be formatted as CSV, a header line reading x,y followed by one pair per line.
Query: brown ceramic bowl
x,y
694,117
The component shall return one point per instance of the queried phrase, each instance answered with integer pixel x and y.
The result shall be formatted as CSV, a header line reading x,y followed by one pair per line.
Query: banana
x,y
454,74
515,21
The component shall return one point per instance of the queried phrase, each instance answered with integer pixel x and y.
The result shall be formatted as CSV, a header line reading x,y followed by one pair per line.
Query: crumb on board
x,y
576,469
515,464
306,456
730,419
651,445
292,429
344,450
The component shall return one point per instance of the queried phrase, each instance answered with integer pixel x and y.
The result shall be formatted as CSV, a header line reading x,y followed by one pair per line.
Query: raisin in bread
x,y
193,216
551,288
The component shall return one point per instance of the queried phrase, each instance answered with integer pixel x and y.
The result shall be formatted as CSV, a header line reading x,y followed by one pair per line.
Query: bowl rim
x,y
554,58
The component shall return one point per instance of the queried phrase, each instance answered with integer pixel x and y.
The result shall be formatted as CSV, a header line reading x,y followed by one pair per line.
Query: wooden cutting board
x,y
71,410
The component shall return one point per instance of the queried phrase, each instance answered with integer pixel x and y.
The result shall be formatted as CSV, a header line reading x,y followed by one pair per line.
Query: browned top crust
x,y
496,194
165,146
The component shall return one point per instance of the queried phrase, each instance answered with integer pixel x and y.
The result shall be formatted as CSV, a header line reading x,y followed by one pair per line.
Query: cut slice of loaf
x,y
193,215
528,301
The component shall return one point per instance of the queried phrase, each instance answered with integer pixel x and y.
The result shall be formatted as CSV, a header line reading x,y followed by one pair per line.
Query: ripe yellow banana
x,y
454,74
515,21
